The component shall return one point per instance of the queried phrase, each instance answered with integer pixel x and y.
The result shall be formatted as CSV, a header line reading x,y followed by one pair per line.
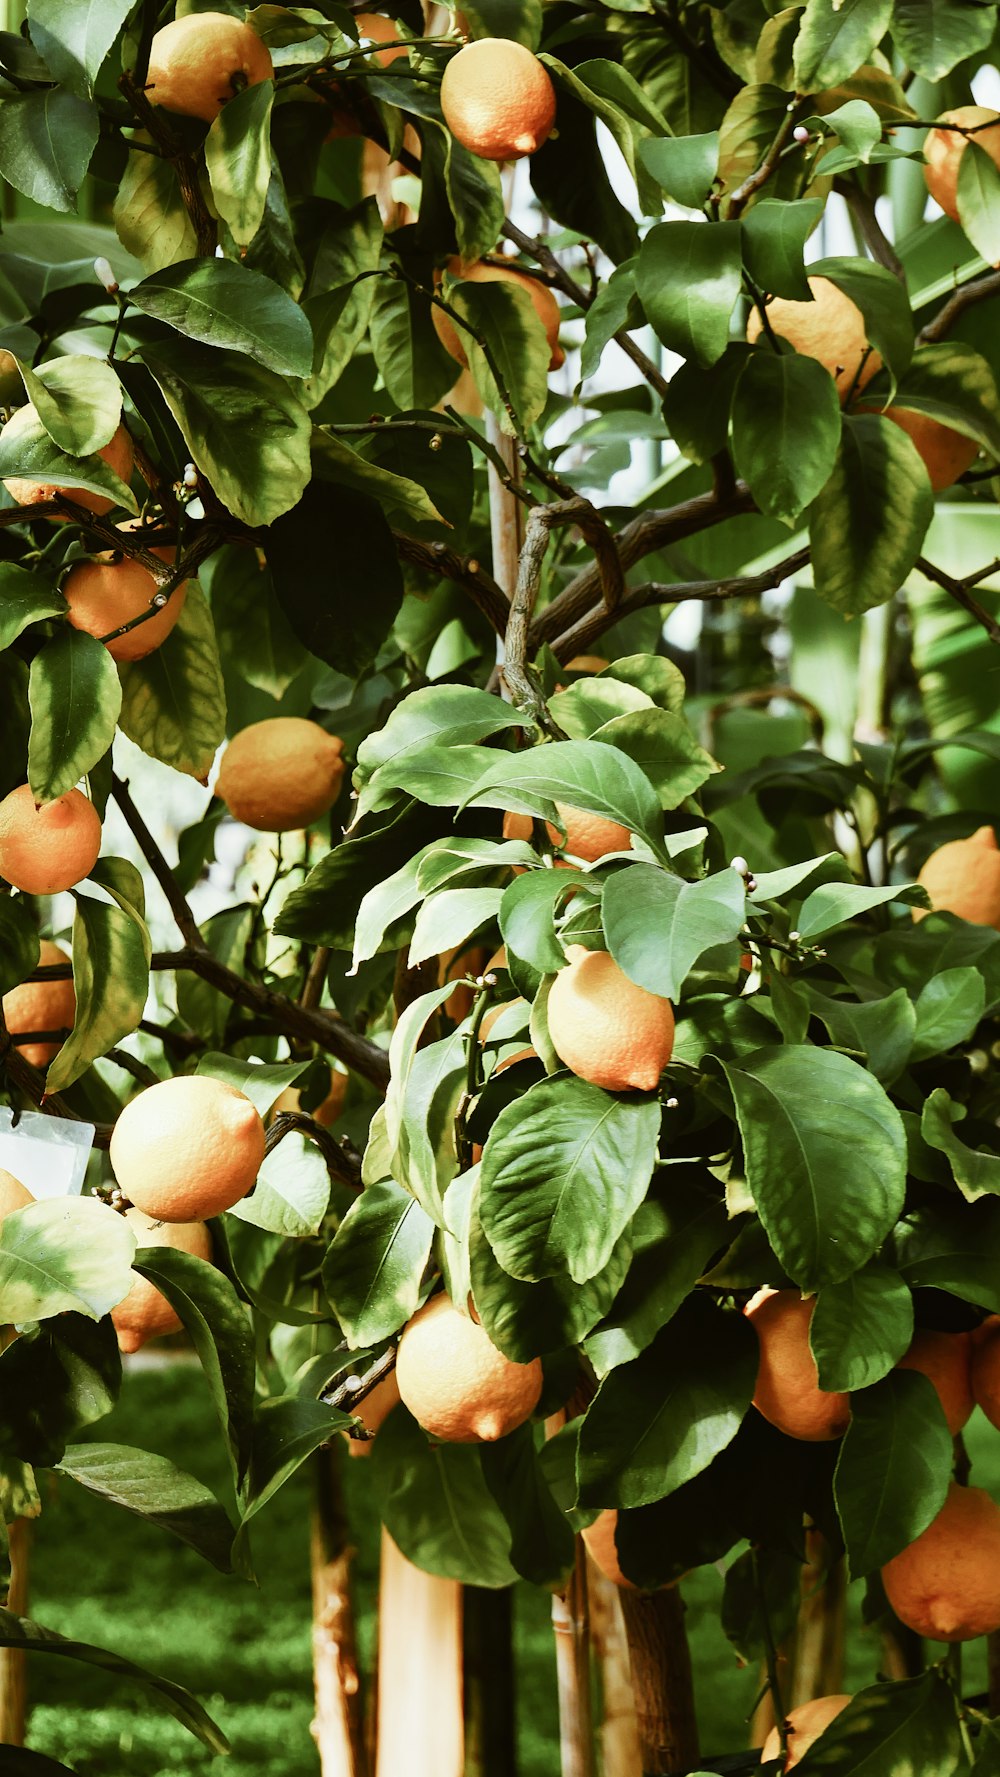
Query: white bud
x,y
352,1384
795,937
800,133
190,475
104,275
740,865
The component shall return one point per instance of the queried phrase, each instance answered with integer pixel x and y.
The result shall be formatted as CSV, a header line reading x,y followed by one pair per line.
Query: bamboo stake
x,y
338,1726
420,1721
618,1733
819,1651
570,1626
506,511
13,1666
661,1680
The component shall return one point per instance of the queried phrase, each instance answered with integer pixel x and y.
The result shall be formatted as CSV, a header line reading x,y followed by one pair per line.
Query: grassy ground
x,y
101,1576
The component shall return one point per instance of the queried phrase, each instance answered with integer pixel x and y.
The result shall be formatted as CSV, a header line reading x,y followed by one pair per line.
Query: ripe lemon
x,y
946,1585
587,663
104,594
41,1005
943,151
118,455
605,1028
602,1548
480,272
188,1148
830,329
198,63
13,1195
986,1368
374,27
497,99
963,877
45,850
945,1359
787,1391
946,453
145,1312
588,836
456,1383
805,1725
281,774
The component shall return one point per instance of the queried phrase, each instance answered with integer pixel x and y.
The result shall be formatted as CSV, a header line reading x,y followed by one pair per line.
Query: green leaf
x,y
238,160
285,1432
342,619
527,1320
951,383
834,902
374,1266
697,403
46,141
221,1332
261,1082
151,1487
581,773
688,281
246,429
894,1468
657,1422
447,919
933,36
657,926
413,363
19,948
436,1505
339,297
21,1632
475,198
976,1171
949,1007
527,916
825,1156
75,698
63,1255
507,347
858,126
616,98
78,400
761,1601
564,1170
26,450
224,304
834,41
665,750
685,166
520,20
956,1248
71,1364
253,633
25,597
570,179
403,500
883,302
151,217
111,952
979,200
881,1030
775,232
615,306
174,701
867,526
542,1548
860,1328
74,41
292,1193
786,430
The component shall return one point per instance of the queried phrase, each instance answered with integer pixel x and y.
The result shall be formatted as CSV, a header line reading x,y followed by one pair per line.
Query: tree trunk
x,y
13,1669
661,1681
338,1727
420,1722
618,1734
569,1623
488,1682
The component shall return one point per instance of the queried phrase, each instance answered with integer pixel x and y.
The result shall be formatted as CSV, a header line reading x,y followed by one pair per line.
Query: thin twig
x,y
756,180
342,1165
346,1395
965,297
862,207
184,919
463,571
959,591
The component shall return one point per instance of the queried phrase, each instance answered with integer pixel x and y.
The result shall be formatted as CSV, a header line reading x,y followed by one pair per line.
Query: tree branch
x,y
464,571
184,919
959,591
980,290
762,173
862,208
342,1163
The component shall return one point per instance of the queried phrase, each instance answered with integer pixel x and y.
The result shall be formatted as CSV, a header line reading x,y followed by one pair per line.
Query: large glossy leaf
x,y
933,35
834,41
976,1171
27,451
46,140
25,597
881,1030
225,304
285,1432
78,400
506,346
657,926
580,773
564,1170
825,1156
688,280
74,40
437,1507
153,1488
775,232
541,1546
111,952
659,1421
662,745
890,1730
955,1248
894,1468
373,1269
979,200
150,214
342,618
526,1320
238,160
75,697
63,1255
867,526
174,701
292,1193
786,430
19,947
861,1327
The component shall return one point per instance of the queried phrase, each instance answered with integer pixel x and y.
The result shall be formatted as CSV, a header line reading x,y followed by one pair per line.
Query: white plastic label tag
x,y
47,1154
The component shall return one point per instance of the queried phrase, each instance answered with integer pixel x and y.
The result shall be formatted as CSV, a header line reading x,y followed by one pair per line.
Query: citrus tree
x,y
661,1219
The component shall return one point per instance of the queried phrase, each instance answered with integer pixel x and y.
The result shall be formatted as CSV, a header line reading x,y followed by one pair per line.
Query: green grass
x,y
100,1576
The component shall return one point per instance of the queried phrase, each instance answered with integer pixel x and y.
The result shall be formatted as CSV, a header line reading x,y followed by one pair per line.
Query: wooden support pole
x,y
570,1626
338,1725
13,1664
420,1721
618,1734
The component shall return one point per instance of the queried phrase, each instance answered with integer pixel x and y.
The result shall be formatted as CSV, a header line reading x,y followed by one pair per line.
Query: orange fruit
x,y
480,272
986,1368
372,1412
946,453
588,836
456,1383
946,1585
587,663
328,1109
945,1359
13,1195
602,1548
41,1005
805,1725
281,774
787,1391
943,151
497,99
104,594
605,1028
830,329
145,1312
118,454
376,28
963,877
188,1148
198,63
46,849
